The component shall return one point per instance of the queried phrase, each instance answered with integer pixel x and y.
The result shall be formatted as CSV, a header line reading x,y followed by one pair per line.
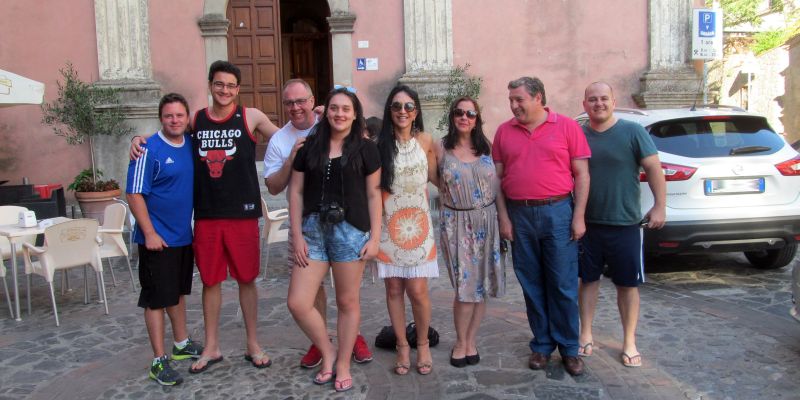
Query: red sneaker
x,y
361,353
312,358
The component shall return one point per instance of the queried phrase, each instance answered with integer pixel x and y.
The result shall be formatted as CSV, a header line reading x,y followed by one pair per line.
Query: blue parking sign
x,y
361,64
707,24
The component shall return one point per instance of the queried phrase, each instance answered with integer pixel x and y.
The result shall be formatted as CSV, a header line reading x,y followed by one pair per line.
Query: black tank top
x,y
225,179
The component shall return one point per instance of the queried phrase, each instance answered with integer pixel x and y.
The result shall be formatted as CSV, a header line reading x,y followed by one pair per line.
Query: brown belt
x,y
538,202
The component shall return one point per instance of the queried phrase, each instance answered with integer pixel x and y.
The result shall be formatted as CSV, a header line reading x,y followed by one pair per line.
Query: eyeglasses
x,y
221,85
409,107
348,88
295,102
471,114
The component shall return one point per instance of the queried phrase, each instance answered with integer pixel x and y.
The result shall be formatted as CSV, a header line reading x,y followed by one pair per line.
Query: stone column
x,y
429,53
671,80
214,29
341,22
123,53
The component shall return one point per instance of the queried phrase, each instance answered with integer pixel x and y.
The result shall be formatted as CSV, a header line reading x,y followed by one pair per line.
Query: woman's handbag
x,y
386,338
411,335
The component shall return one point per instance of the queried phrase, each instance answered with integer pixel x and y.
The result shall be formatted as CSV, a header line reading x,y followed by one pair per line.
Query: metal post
x,y
705,82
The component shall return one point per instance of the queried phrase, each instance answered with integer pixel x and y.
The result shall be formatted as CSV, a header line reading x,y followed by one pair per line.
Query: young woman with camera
x,y
407,256
335,211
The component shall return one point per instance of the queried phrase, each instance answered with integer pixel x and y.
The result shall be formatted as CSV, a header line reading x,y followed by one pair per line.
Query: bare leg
x,y
212,300
417,289
303,286
462,314
154,320
587,302
395,302
628,303
479,310
177,318
321,304
348,284
248,301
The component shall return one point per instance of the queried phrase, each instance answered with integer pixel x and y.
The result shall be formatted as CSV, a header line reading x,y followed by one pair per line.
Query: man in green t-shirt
x,y
613,214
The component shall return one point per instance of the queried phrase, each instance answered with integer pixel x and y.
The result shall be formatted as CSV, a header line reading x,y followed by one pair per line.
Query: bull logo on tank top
x,y
216,147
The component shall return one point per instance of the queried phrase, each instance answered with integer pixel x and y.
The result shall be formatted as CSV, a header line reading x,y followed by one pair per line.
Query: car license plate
x,y
733,186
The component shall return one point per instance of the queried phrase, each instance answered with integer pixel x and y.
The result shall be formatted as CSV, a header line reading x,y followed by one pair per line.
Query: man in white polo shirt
x,y
298,103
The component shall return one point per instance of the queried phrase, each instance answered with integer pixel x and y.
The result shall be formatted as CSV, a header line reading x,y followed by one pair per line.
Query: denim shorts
x,y
340,242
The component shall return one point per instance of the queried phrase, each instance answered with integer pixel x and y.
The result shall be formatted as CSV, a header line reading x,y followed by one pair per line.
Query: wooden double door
x,y
268,57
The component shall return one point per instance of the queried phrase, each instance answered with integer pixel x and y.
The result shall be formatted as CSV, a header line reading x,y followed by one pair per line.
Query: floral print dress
x,y
469,231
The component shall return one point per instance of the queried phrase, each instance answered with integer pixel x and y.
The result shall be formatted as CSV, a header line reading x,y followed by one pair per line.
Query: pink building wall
x,y
567,44
382,26
37,43
177,51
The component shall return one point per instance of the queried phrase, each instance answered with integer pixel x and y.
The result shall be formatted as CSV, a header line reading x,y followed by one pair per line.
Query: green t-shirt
x,y
614,170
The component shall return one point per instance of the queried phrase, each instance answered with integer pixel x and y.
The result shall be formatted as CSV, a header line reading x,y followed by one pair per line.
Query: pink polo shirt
x,y
537,164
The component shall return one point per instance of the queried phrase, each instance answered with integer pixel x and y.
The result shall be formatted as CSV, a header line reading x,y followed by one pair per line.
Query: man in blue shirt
x,y
160,190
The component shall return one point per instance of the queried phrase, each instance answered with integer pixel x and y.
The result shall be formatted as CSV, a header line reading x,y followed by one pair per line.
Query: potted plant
x,y
81,112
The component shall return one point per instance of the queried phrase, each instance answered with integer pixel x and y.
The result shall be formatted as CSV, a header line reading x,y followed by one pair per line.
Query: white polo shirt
x,y
280,147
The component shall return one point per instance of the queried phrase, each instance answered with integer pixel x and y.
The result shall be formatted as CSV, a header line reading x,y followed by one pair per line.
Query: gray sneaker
x,y
191,350
163,373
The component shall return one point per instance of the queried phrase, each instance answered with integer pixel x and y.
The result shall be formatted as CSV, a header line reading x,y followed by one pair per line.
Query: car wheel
x,y
772,259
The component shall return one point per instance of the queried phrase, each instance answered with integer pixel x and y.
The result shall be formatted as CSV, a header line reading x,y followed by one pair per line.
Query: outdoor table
x,y
15,233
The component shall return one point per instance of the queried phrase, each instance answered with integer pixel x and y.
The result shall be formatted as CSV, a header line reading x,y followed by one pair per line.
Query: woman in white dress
x,y
407,256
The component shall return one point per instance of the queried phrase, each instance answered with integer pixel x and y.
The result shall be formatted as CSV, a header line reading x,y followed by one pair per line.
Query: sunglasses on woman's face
x,y
409,107
471,114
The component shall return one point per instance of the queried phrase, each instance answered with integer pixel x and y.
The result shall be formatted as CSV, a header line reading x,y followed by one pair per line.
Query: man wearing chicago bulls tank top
x,y
227,206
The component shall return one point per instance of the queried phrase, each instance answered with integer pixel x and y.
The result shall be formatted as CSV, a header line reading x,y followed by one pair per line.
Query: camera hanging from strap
x,y
332,212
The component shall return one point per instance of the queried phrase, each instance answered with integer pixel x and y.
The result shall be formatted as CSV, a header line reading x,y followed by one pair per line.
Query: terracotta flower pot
x,y
93,204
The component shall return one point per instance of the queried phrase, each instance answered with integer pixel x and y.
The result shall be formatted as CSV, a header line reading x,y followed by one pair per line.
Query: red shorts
x,y
226,244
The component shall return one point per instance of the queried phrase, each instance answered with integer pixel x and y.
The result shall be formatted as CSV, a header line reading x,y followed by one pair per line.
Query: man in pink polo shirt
x,y
542,160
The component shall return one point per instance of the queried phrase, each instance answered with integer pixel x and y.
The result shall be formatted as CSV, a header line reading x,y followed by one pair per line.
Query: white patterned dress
x,y
407,247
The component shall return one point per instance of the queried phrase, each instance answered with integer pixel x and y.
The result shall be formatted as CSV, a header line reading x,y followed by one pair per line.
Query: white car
x,y
733,184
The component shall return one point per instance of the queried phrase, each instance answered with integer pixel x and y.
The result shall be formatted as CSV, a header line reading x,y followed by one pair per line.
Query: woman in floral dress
x,y
470,239
407,256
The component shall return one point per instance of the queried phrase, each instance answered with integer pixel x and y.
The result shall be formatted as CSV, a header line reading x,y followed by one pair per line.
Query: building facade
x,y
147,48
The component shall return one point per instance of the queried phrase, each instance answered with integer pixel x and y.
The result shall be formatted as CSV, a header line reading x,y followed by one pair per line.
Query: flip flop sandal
x,y
257,360
631,361
585,350
324,377
343,385
209,361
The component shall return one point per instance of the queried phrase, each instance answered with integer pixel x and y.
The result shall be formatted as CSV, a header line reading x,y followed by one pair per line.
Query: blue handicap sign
x,y
707,24
361,64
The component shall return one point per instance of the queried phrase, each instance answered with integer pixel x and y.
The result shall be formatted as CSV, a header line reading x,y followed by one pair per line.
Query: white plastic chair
x,y
69,244
10,215
112,244
272,232
5,287
129,224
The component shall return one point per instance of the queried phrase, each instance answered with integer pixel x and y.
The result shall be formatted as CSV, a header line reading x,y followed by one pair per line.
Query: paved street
x,y
718,332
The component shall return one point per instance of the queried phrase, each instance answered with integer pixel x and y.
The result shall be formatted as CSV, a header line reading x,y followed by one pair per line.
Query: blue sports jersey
x,y
164,176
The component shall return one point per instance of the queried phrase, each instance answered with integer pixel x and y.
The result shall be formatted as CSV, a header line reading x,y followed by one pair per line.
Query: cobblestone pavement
x,y
711,328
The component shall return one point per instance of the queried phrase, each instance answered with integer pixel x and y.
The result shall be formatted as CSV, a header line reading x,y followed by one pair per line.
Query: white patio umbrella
x,y
15,89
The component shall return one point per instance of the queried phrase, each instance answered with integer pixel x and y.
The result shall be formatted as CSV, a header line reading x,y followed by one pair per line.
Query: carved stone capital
x,y
138,98
213,25
669,88
341,22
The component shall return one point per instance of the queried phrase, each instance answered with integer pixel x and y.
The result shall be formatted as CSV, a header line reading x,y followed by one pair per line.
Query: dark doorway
x,y
306,44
